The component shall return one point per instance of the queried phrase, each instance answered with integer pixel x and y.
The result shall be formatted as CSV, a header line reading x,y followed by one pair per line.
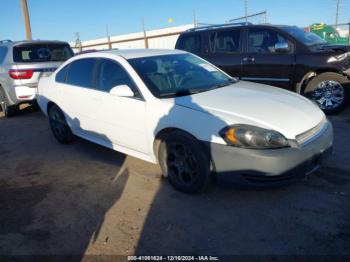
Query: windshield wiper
x,y
196,90
231,81
184,92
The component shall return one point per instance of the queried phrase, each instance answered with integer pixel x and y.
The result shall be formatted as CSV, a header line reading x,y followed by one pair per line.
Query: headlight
x,y
247,136
338,58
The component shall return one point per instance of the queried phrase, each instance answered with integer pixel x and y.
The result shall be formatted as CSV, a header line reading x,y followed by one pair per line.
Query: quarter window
x,y
61,75
190,43
111,74
263,40
227,41
81,73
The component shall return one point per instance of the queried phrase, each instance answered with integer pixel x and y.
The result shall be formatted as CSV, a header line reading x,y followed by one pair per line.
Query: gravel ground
x,y
83,199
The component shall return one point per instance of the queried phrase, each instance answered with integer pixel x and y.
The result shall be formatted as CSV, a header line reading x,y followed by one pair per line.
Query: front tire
x,y
184,162
59,126
330,91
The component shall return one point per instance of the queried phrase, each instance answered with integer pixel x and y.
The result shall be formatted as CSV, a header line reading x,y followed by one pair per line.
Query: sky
x,y
61,19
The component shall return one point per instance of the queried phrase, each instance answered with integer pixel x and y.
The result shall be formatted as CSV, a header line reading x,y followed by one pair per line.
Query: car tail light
x,y
21,74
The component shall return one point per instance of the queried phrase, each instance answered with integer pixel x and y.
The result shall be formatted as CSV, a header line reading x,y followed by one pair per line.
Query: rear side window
x,y
62,74
227,41
81,73
3,52
190,43
31,53
111,74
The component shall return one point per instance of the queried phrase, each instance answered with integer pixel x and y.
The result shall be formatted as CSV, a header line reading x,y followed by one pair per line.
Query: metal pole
x,y
246,10
78,42
108,38
26,19
194,18
337,14
144,33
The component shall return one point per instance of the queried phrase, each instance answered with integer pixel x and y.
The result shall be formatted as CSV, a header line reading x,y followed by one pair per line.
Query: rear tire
x,y
330,91
9,110
59,126
184,162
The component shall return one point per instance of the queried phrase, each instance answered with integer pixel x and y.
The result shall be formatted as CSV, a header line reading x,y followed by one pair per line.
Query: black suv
x,y
278,55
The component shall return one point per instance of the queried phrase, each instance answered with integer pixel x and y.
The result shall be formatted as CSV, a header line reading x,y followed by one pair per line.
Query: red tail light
x,y
21,74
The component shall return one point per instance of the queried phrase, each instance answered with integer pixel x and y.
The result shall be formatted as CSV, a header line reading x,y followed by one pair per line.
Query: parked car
x,y
21,65
174,108
278,55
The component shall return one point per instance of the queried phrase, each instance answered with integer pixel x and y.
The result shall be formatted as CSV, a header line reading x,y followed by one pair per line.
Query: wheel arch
x,y
163,133
300,87
49,105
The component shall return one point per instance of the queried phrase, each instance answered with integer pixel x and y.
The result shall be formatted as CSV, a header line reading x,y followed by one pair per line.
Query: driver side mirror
x,y
122,91
282,47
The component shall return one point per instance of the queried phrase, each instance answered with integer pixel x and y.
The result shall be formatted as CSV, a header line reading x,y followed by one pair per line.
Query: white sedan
x,y
176,109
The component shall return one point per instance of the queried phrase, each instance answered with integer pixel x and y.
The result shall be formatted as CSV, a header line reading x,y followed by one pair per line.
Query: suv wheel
x,y
59,126
329,91
184,162
9,110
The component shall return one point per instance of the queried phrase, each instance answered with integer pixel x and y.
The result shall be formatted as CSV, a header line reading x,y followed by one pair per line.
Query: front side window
x,y
81,73
190,43
111,74
227,41
307,38
179,75
30,53
264,40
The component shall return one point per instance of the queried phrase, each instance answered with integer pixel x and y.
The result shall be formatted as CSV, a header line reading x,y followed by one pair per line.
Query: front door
x,y
263,64
122,120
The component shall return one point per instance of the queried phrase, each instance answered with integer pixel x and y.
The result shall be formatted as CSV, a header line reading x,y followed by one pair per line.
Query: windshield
x,y
30,53
307,38
178,75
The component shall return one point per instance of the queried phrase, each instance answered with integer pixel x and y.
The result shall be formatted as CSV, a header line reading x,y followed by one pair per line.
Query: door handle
x,y
248,59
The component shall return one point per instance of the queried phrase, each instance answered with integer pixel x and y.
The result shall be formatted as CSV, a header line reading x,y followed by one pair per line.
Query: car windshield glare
x,y
178,75
307,38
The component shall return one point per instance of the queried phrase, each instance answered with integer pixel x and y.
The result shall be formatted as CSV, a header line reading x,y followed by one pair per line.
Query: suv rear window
x,y
190,43
31,53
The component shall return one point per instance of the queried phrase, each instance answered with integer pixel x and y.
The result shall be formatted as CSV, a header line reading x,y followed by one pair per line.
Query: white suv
x,y
21,65
174,108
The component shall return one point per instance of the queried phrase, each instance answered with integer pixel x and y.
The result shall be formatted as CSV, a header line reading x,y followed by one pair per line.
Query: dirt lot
x,y
85,199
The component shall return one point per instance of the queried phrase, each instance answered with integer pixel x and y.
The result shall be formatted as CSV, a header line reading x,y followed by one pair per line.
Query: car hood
x,y
336,47
257,104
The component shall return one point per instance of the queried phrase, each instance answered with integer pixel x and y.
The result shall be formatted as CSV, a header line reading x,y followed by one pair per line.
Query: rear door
x,y
77,95
261,63
40,58
225,50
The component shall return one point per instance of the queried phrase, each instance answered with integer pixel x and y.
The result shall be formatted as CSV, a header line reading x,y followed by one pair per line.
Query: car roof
x,y
230,26
139,53
23,42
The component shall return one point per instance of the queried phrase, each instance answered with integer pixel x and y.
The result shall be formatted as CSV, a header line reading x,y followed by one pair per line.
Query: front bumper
x,y
271,165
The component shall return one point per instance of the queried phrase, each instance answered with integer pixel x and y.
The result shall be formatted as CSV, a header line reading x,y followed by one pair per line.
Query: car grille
x,y
305,137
